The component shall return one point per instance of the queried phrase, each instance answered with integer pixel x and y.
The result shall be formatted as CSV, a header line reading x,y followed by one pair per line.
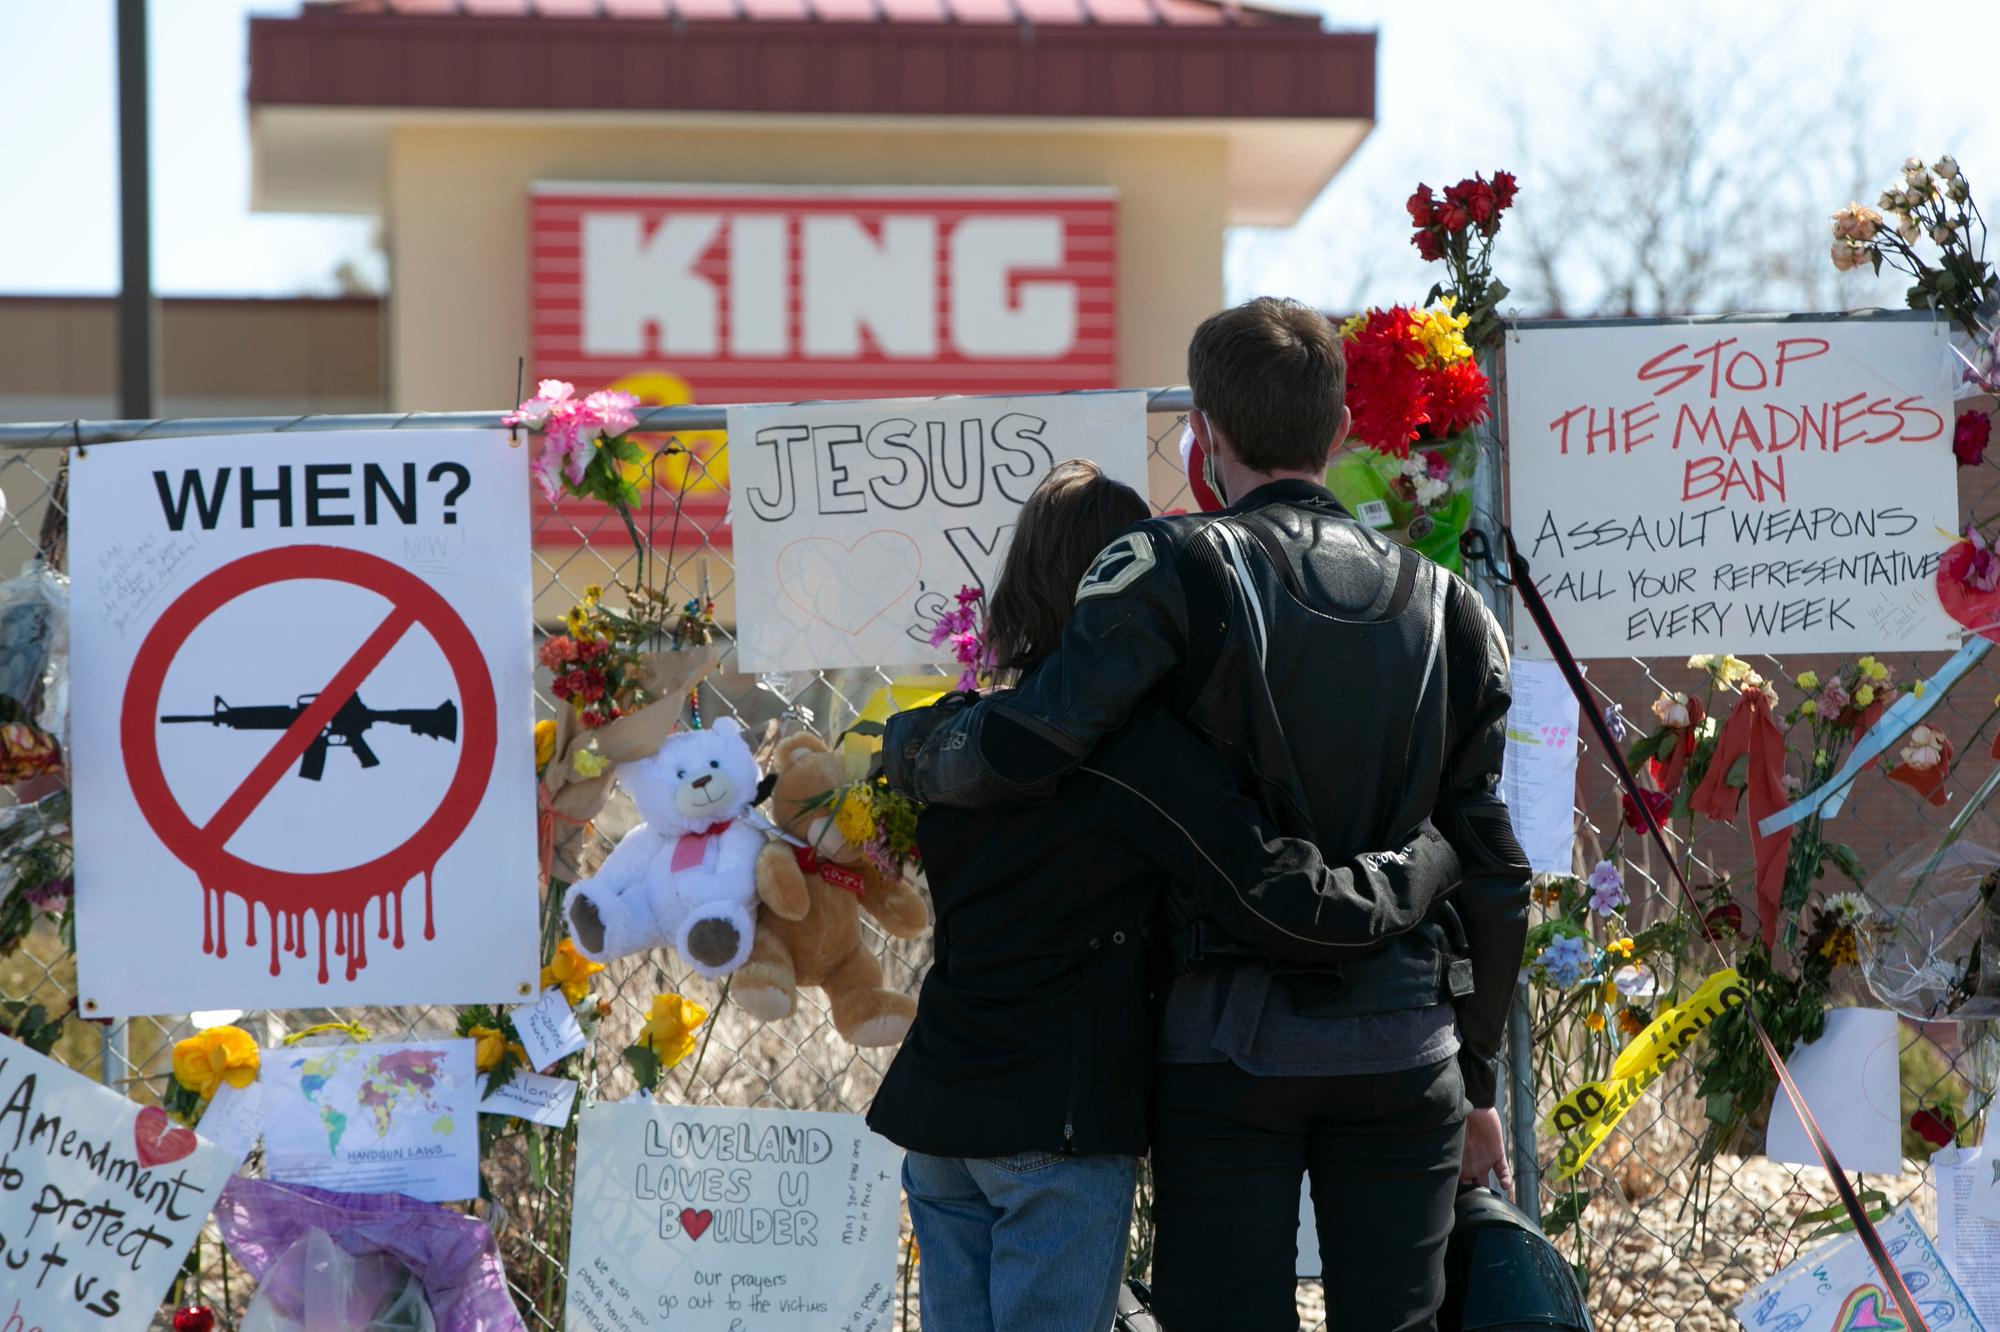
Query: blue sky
x,y
1462,86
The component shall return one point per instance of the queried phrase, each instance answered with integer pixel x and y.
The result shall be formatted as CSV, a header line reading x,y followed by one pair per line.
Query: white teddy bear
x,y
686,877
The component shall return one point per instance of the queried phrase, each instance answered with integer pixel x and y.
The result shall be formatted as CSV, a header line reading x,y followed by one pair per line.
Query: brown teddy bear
x,y
809,928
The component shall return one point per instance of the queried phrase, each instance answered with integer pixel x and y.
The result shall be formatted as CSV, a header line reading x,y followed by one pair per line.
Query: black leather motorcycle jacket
x,y
1361,689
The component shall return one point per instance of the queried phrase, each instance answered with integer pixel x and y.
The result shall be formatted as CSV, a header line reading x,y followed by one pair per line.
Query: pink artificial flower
x,y
543,468
1983,573
613,410
1833,700
548,395
1436,466
970,596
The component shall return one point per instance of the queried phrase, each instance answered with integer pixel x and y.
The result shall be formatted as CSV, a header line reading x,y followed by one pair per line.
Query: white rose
x,y
1906,227
1947,167
1846,256
1913,199
1958,191
1941,233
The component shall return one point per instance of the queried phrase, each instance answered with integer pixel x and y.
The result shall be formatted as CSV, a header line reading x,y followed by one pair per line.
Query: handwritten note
x,y
1849,1078
549,1029
1968,1242
1538,779
1837,1287
532,1097
99,1199
136,572
717,1220
855,523
1734,487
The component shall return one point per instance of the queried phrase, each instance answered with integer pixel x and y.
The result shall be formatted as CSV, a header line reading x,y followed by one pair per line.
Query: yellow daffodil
x,y
1809,681
592,595
545,744
1864,696
1594,1020
207,1059
855,817
577,622
669,1029
490,1045
1610,992
572,971
588,763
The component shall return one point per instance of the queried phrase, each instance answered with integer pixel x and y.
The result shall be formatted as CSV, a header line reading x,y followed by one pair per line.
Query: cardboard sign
x,y
384,1117
857,523
709,1219
1754,487
99,1199
734,293
1837,1288
309,779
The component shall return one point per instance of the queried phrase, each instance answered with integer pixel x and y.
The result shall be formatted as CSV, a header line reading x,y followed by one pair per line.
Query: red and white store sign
x,y
717,294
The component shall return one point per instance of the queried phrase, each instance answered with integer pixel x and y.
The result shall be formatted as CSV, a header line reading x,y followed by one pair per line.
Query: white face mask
x,y
1190,447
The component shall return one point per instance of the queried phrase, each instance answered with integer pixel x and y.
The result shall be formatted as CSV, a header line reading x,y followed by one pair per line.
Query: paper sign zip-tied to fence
x,y
1538,610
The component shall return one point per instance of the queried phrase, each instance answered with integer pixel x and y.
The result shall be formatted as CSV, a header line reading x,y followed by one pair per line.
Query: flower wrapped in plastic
x,y
1930,943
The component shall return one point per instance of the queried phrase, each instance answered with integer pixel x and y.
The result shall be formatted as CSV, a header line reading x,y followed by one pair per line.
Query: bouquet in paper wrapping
x,y
1931,949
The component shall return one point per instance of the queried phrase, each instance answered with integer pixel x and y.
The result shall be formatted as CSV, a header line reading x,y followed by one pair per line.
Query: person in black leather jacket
x,y
1020,1092
1358,689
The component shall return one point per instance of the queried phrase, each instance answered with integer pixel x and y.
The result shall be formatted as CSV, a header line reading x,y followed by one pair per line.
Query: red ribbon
x,y
1751,734
691,849
545,829
840,876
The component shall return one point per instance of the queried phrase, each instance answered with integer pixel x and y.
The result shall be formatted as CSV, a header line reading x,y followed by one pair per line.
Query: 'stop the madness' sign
x,y
1739,487
723,294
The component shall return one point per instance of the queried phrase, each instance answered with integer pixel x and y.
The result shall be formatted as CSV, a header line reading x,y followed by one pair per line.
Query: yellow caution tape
x,y
1584,1118
903,694
354,1030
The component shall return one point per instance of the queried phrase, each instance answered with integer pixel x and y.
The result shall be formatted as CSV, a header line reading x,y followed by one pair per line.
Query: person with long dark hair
x,y
1020,1092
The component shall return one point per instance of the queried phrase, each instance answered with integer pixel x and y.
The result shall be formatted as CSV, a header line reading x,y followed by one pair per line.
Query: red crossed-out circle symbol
x,y
203,849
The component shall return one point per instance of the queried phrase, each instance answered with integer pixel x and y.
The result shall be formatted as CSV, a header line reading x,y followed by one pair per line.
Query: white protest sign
x,y
548,1028
709,1219
99,1199
1538,777
312,662
856,523
1753,487
530,1096
1850,1078
384,1117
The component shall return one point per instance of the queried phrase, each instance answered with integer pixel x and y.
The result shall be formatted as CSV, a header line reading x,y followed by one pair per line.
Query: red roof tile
x,y
1188,13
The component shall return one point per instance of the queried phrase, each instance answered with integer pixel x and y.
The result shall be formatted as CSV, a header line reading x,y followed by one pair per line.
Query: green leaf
x,y
1568,1210
1645,747
1845,860
645,1065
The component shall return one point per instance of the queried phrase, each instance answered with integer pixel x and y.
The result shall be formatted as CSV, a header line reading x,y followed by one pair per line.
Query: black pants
x,y
1229,1150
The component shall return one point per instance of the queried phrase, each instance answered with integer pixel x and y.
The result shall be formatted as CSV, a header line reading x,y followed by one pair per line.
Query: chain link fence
x,y
1659,1243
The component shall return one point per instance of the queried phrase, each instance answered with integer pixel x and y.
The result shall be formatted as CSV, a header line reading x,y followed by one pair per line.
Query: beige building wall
x,y
457,209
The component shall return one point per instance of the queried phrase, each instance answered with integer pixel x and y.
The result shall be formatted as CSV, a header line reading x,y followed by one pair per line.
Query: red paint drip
x,y
221,923
299,947
207,921
321,913
288,928
430,923
383,901
250,931
340,936
274,935
399,917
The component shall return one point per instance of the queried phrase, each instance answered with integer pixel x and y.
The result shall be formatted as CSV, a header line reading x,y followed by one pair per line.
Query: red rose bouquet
x,y
1458,228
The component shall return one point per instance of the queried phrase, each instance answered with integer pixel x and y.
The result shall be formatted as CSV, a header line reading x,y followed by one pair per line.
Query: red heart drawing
x,y
695,1223
1976,610
159,1140
850,585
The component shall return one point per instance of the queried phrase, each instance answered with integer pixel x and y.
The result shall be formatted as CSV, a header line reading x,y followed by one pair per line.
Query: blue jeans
x,y
1027,1243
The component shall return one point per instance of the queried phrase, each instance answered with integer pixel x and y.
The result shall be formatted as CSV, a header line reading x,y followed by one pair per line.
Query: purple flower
x,y
1607,889
51,894
1614,722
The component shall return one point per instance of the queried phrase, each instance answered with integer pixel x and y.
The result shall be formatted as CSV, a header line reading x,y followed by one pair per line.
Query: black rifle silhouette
x,y
345,729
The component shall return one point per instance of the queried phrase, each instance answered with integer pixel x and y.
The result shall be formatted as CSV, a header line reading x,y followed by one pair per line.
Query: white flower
x,y
1906,227
1847,256
1702,662
1941,233
1709,726
1892,201
1924,750
1947,167
1672,710
1958,191
1912,164
1913,199
1913,172
1850,907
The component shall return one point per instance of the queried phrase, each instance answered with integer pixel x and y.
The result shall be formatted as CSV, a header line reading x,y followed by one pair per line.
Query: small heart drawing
x,y
1976,610
850,586
159,1140
695,1223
